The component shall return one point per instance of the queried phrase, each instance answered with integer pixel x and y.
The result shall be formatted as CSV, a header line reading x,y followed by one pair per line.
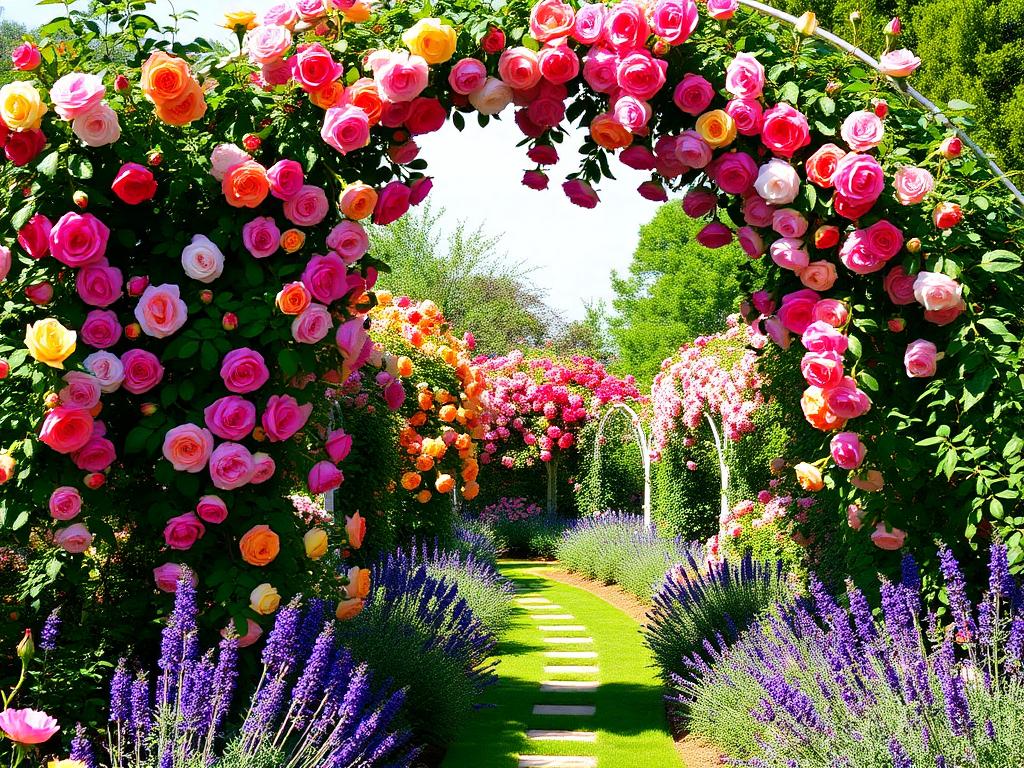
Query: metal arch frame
x,y
723,464
899,83
645,452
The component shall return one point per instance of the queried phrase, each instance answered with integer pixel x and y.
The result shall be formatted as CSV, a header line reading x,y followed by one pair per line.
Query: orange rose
x,y
405,367
448,413
423,496
425,401
358,583
384,298
608,133
358,13
260,545
363,94
444,483
329,95
293,299
418,419
358,200
809,476
246,185
817,412
411,481
470,490
471,471
463,441
187,109
348,609
165,78
355,529
424,463
292,240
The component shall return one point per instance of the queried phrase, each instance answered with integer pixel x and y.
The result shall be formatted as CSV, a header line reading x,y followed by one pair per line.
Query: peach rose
x,y
819,275
358,200
355,529
260,546
348,609
871,481
188,447
161,311
187,109
888,538
358,583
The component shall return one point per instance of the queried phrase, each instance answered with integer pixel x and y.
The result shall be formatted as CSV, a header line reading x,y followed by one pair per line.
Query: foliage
x,y
520,528
676,290
816,682
613,477
698,601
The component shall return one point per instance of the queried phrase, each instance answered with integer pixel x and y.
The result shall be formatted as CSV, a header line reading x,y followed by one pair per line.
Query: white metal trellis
x,y
645,452
900,83
723,464
333,420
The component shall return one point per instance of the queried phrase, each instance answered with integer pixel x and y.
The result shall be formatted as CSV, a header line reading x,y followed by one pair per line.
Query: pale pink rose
x,y
65,429
862,131
142,371
854,517
467,75
98,284
283,417
821,337
921,359
312,324
846,400
261,237
312,10
76,94
325,277
890,540
202,260
822,369
263,467
5,262
307,208
212,509
789,253
674,20
243,370
819,275
183,531
81,390
188,447
231,417
98,127
625,27
519,68
899,63
777,182
324,477
231,466
492,97
338,445
400,76
65,503
268,43
169,575
74,539
936,292
744,77
558,64
346,128
693,94
225,157
847,450
750,241
748,114
286,179
100,329
632,114
161,311
349,240
96,455
107,369
77,239
589,22
831,311
912,184
789,222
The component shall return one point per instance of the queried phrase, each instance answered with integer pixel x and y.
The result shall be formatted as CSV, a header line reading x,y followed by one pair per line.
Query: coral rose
x,y
355,530
188,447
358,583
260,545
246,185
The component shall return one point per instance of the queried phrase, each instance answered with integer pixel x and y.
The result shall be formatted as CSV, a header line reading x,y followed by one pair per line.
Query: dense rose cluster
x,y
510,509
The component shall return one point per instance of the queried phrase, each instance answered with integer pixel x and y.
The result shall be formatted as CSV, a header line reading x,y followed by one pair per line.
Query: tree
x,y
676,290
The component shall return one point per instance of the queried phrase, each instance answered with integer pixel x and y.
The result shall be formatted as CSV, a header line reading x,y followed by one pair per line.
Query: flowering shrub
x,y
521,528
509,510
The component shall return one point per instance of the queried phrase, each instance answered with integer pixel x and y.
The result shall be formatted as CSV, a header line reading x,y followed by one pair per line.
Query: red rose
x,y
134,184
947,215
493,41
24,146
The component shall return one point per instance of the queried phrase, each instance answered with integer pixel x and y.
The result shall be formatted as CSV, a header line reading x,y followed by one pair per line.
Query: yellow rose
x,y
431,39
264,599
245,19
50,342
315,541
809,476
807,24
21,108
65,764
717,128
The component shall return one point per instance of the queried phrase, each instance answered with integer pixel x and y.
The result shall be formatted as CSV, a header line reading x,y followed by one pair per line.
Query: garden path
x,y
576,688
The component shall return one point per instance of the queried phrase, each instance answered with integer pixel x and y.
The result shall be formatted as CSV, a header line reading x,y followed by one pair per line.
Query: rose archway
x,y
185,259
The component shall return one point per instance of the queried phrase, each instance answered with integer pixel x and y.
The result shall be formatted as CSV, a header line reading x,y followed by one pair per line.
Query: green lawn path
x,y
630,718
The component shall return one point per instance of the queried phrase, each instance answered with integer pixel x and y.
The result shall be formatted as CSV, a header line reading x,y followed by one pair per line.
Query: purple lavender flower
x,y
51,629
120,694
224,678
81,748
956,591
314,675
958,710
282,642
141,714
900,758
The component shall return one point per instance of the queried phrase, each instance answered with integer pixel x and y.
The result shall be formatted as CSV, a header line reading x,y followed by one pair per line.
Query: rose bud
x,y
493,41
26,649
155,157
40,293
660,47
914,244
832,86
251,142
855,17
259,435
121,83
229,322
147,409
894,28
51,401
881,107
5,369
826,236
947,215
206,296
81,199
133,331
897,324
95,480
951,148
137,284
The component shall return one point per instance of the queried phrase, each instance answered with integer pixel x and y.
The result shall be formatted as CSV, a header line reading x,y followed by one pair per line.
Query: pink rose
x,y
161,311
346,128
312,10
253,632
921,359
580,193
883,239
558,64
96,455
625,27
789,223
313,67
912,184
263,468
551,19
819,275
74,539
763,302
231,466
283,417
312,324
182,531
535,180
286,179
936,292
230,417
99,284
589,23
467,75
324,477
797,308
693,152
599,69
641,75
78,239
632,114
821,337
854,517
674,20
715,235
404,153
134,184
26,57
777,183
822,369
325,277
212,509
188,447
98,127
243,370
400,76
492,97
426,115
268,43
349,240
699,202
338,445
66,430
169,575
862,131
858,180
354,343
653,190
40,294
75,94
831,311
750,241
5,262
107,369
784,130
65,503
744,77
142,371
899,63
789,253
693,94
847,450
225,157
261,237
883,538
857,255
519,68
821,166
748,114
81,390
777,332
392,204
722,10
34,238
638,157
846,400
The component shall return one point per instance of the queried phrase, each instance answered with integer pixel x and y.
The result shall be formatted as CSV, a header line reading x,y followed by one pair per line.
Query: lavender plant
x,y
817,685
416,629
314,705
719,600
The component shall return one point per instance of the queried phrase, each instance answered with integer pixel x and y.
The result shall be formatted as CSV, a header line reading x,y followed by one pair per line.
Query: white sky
x,y
477,177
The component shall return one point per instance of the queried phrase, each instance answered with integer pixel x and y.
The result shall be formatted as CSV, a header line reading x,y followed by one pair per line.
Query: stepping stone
x,y
545,607
578,710
562,628
528,600
551,616
583,736
568,640
571,654
546,761
568,686
571,669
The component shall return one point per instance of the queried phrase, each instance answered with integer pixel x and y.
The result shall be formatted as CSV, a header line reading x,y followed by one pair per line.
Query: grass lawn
x,y
630,718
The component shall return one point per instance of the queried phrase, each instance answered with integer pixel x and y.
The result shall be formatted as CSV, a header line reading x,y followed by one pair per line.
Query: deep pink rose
x,y
96,455
243,370
169,575
324,477
313,67
535,180
715,235
161,311
212,509
78,239
858,180
34,237
847,450
65,430
921,359
734,172
699,202
858,257
467,75
22,147
286,179
831,311
558,64
188,447
641,75
261,237
820,337
599,69
142,371
763,302
65,503
338,445
636,156
580,193
822,369
900,286
230,417
750,241
99,284
283,417
312,324
784,130
543,154
231,466
346,128
693,94
846,400
653,190
625,27
426,115
325,277
797,309
26,57
392,204
748,114
883,239
182,531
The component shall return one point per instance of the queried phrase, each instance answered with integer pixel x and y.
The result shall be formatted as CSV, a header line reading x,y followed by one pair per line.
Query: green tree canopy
x,y
676,290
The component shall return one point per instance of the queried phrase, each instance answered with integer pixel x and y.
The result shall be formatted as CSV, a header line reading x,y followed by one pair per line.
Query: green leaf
x,y
458,121
869,381
53,568
23,214
48,165
959,105
136,439
827,105
80,167
790,92
997,327
288,359
1000,261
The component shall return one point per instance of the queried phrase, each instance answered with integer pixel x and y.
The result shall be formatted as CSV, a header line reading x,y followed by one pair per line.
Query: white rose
x,y
491,97
202,259
225,157
777,182
97,127
107,369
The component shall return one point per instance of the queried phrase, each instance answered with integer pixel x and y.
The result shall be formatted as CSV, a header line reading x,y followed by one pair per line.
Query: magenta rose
x,y
580,193
846,400
797,309
338,445
243,370
313,67
183,531
635,156
261,237
392,203
65,429
212,509
625,27
231,417
699,202
188,447
169,575
283,417
535,180
847,450
34,237
95,456
231,466
81,390
354,343
101,329
325,277
785,130
286,179
324,477
822,369
900,286
142,371
715,235
858,180
65,503
312,324
734,172
693,94
921,359
78,239
883,239
748,114
750,241
26,57
99,284
858,257
653,191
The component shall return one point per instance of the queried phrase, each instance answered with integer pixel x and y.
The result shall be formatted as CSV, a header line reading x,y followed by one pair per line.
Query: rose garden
x,y
266,502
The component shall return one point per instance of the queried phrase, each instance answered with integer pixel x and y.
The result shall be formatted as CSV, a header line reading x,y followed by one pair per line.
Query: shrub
x,y
416,629
474,538
522,529
615,480
720,600
818,685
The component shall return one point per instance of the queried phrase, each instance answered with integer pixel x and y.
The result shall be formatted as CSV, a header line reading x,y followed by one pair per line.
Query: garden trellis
x,y
645,453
